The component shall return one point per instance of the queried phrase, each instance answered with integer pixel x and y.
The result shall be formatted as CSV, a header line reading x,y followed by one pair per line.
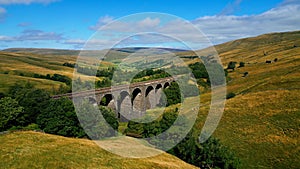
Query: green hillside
x,y
38,150
262,122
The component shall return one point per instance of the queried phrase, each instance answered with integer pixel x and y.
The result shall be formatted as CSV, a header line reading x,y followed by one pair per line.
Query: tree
x,y
10,111
231,65
60,118
34,101
242,64
172,94
230,95
210,154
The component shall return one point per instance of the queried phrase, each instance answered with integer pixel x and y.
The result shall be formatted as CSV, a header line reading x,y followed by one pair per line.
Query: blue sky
x,y
69,24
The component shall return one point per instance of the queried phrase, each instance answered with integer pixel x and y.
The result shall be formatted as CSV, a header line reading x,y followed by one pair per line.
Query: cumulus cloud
x,y
218,28
33,35
26,2
225,28
101,22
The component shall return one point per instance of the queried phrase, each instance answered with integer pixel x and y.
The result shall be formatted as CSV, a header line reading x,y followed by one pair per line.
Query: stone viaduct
x,y
128,101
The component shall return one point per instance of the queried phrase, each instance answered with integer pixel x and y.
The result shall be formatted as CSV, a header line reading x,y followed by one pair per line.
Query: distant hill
x,y
43,51
38,150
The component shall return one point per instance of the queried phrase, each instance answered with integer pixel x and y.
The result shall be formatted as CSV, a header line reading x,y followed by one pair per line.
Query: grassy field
x,y
38,150
262,123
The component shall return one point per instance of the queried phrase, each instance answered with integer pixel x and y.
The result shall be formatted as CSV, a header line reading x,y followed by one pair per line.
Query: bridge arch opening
x,y
136,92
166,85
124,106
108,101
150,97
137,101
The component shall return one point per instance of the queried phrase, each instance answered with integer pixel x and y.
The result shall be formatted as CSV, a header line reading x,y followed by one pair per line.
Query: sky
x,y
69,24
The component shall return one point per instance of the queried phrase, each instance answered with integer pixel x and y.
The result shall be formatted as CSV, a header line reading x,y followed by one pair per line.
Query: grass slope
x,y
262,123
38,150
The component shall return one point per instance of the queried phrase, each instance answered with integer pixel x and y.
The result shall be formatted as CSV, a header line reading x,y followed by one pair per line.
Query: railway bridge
x,y
128,101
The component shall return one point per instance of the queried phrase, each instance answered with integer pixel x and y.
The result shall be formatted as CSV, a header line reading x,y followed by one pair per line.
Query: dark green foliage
x,y
55,77
60,118
210,154
10,112
106,82
173,94
94,72
231,65
230,95
61,78
97,125
153,128
2,95
199,70
34,102
110,117
242,64
72,65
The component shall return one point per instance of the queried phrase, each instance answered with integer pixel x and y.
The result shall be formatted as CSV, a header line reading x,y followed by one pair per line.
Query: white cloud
x,y
101,22
218,28
225,28
148,23
26,2
33,35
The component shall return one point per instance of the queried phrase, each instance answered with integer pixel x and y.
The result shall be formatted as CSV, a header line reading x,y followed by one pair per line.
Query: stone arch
x,y
150,96
166,85
137,100
124,106
158,93
109,101
92,100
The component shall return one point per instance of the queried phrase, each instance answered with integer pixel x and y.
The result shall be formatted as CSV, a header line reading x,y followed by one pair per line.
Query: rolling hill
x,y
39,150
261,124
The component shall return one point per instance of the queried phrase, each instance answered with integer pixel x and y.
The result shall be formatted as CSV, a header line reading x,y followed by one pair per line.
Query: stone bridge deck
x,y
127,100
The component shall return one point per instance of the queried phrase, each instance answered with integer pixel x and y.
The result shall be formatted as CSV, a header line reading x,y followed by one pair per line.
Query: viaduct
x,y
128,101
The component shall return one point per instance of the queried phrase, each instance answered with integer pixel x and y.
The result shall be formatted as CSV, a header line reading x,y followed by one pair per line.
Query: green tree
x,y
97,125
242,64
34,101
231,65
172,94
60,118
10,112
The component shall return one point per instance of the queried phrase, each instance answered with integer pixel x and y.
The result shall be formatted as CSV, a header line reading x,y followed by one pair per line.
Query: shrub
x,y
172,94
230,95
231,65
10,111
210,154
242,64
60,118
